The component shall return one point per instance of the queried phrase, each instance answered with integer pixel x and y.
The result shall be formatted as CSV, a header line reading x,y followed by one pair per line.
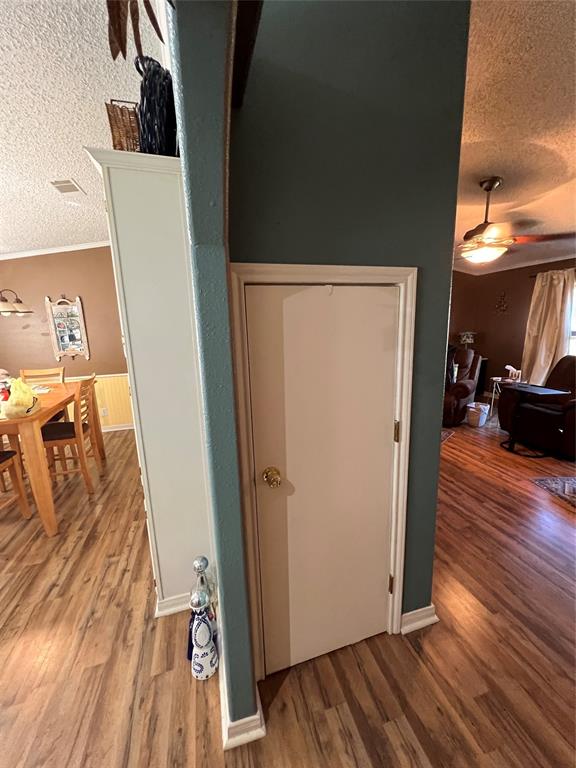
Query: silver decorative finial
x,y
200,565
199,600
203,586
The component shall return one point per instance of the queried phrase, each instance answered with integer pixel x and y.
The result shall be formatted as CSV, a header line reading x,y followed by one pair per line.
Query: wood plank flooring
x,y
88,678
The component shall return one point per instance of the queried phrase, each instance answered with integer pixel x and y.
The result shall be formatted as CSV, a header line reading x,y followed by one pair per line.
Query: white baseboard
x,y
117,427
234,732
173,604
237,732
418,619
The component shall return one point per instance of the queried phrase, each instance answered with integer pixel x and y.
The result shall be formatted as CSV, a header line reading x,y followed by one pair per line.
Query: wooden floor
x,y
89,679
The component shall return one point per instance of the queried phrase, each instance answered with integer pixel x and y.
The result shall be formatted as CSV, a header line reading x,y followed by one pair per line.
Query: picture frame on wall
x,y
67,327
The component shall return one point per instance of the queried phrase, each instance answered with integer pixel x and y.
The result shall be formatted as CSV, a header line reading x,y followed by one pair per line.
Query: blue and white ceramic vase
x,y
204,653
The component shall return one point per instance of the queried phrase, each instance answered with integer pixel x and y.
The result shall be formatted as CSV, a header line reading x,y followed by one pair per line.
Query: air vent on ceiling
x,y
67,186
74,194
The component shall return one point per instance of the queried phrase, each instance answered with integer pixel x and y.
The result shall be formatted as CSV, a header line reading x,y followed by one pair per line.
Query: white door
x,y
322,362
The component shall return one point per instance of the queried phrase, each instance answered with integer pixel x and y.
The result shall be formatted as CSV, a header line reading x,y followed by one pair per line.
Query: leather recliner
x,y
460,393
546,423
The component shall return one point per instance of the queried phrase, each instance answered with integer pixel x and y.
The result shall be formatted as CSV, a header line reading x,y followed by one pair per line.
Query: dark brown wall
x,y
25,341
500,333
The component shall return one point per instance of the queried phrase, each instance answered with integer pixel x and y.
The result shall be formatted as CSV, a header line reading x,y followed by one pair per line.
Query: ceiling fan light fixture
x,y
493,232
484,254
486,241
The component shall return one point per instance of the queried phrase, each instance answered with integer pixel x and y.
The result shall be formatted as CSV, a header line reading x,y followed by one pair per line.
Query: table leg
x,y
492,400
38,474
495,391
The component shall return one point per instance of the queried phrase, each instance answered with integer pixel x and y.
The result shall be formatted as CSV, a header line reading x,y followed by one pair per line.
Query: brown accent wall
x,y
500,332
25,341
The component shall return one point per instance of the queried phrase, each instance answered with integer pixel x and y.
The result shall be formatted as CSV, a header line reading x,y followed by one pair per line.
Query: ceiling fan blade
x,y
478,231
522,239
523,223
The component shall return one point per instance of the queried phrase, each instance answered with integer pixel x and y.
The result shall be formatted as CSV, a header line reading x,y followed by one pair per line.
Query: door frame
x,y
315,274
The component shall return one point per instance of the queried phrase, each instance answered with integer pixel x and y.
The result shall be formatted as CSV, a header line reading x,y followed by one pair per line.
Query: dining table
x,y
25,437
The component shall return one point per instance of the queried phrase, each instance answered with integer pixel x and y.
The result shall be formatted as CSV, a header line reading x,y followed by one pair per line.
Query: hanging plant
x,y
118,12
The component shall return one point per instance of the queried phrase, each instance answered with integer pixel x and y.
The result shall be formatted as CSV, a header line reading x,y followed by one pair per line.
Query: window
x,y
572,344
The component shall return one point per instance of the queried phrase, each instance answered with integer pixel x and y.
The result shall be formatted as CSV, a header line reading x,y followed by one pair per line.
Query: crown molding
x,y
134,161
57,249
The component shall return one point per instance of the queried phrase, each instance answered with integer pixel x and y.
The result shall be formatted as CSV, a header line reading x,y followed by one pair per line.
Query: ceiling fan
x,y
488,241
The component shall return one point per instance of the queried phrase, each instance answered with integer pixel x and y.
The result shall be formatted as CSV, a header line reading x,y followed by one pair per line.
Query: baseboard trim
x,y
422,617
117,427
173,604
234,732
238,732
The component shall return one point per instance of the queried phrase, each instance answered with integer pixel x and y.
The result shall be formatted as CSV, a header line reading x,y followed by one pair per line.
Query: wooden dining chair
x,y
58,435
9,463
56,375
33,376
43,375
3,486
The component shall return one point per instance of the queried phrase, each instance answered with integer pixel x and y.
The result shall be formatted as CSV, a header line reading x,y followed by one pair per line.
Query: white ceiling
x,y
57,73
520,123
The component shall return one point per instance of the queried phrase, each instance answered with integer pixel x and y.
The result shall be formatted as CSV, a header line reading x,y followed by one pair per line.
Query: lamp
x,y
14,307
484,253
467,337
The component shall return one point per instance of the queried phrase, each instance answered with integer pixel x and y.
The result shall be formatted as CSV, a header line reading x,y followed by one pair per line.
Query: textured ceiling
x,y
519,123
57,73
519,120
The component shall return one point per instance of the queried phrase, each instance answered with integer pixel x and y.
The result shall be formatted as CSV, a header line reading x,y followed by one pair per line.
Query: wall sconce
x,y
467,337
13,307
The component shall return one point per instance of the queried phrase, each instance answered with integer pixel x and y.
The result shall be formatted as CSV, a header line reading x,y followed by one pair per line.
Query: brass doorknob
x,y
272,477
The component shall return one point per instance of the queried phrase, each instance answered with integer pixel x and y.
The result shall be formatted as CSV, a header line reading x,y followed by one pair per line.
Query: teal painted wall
x,y
346,152
199,42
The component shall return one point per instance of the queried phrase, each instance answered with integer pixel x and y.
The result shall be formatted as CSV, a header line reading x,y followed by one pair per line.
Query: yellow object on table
x,y
22,401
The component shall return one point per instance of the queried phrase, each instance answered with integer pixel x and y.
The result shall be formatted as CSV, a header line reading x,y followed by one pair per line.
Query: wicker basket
x,y
123,119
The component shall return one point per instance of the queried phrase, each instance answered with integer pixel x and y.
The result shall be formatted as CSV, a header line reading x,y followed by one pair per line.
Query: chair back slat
x,y
84,400
42,375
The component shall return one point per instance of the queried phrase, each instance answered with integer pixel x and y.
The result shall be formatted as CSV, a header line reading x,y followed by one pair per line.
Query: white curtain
x,y
548,328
